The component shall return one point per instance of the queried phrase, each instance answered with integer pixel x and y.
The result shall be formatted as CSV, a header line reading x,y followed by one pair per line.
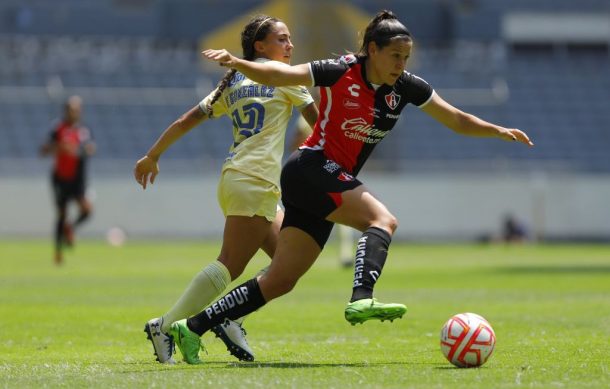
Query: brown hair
x,y
384,27
257,29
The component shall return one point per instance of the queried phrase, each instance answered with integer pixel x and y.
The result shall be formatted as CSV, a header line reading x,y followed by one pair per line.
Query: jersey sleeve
x,y
418,90
219,107
328,71
298,95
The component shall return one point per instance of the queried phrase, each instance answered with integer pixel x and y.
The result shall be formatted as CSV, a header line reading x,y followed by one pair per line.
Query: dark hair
x,y
384,27
257,29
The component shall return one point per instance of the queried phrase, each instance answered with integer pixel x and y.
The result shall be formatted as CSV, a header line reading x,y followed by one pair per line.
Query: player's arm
x,y
52,146
48,148
467,124
147,167
310,114
269,73
90,148
304,126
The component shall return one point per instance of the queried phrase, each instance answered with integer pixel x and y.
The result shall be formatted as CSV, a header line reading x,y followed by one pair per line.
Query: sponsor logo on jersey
x,y
392,116
347,59
343,176
325,62
237,77
360,129
392,100
350,104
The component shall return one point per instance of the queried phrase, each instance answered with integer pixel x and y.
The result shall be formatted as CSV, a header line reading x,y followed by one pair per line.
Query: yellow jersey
x,y
260,115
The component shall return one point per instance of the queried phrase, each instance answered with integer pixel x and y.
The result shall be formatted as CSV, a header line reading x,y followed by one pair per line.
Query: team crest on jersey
x,y
392,100
343,176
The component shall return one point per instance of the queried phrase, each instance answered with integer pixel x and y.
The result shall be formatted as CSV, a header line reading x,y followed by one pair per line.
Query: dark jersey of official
x,y
354,117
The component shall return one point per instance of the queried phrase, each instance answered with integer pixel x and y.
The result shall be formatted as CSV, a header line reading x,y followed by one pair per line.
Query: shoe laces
x,y
172,345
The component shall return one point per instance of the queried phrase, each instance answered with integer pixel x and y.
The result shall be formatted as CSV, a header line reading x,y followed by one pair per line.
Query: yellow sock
x,y
202,290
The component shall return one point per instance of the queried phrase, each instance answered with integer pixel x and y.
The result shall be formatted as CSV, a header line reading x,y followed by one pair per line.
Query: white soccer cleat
x,y
163,343
234,337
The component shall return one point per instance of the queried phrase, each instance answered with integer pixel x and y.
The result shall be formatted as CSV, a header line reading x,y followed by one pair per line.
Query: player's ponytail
x,y
384,27
257,29
222,84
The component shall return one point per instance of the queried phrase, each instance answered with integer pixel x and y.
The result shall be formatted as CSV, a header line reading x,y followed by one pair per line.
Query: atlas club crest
x,y
392,100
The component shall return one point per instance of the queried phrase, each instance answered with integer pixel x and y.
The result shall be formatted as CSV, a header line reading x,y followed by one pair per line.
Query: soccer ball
x,y
467,340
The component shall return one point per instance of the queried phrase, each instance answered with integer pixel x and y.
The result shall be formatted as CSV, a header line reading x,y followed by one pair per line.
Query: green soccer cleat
x,y
360,311
188,342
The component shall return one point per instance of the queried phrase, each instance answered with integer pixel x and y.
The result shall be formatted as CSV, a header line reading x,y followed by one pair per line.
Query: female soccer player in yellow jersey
x,y
249,189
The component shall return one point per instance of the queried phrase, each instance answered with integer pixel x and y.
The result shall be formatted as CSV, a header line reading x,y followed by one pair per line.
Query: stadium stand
x,y
137,81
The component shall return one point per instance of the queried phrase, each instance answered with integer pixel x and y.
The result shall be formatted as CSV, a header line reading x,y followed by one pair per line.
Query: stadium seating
x,y
133,87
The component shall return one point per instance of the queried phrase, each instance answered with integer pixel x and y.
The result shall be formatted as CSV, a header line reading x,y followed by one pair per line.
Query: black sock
x,y
242,300
81,218
371,253
59,232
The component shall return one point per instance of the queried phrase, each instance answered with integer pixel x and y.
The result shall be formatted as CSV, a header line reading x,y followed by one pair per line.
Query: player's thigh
x,y
295,254
61,194
270,243
360,209
250,207
242,237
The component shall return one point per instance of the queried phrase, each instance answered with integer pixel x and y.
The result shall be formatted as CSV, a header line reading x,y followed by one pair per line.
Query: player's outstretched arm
x,y
270,73
147,167
467,124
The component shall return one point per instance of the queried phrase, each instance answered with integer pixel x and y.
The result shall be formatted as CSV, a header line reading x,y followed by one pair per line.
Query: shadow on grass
x,y
574,269
262,365
302,365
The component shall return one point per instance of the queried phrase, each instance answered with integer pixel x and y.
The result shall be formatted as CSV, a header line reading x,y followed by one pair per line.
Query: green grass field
x,y
81,325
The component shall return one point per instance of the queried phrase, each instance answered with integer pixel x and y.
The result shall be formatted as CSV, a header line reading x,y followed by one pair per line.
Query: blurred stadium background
x,y
539,65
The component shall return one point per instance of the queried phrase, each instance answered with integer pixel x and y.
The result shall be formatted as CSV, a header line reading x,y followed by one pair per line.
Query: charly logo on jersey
x,y
392,100
361,130
350,104
353,90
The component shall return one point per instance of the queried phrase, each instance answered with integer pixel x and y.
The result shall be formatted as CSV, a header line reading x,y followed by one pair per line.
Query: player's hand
x,y
512,134
222,56
146,170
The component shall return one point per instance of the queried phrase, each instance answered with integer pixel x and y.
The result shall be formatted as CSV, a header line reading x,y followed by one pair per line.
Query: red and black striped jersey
x,y
70,156
354,116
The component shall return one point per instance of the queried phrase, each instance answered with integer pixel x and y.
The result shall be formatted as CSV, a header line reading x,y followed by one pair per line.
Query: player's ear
x,y
259,47
372,48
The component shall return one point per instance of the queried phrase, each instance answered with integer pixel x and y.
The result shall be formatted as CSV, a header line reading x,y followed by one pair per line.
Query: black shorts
x,y
66,190
311,189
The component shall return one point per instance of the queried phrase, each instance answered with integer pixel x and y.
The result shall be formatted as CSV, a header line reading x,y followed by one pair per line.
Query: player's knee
x,y
393,223
235,268
387,222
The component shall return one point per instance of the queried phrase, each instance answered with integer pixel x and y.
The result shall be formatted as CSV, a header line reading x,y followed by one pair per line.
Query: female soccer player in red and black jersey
x,y
70,143
363,96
